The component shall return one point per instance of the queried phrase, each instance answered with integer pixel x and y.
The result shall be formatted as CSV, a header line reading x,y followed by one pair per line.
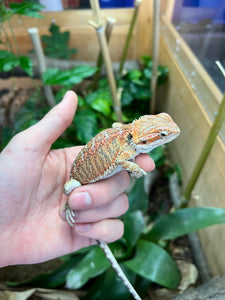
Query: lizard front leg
x,y
69,186
132,168
126,161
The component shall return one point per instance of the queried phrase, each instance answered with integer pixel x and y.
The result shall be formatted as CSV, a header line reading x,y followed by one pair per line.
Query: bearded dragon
x,y
112,151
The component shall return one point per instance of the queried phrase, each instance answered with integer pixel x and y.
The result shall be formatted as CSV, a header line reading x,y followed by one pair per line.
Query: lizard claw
x,y
70,214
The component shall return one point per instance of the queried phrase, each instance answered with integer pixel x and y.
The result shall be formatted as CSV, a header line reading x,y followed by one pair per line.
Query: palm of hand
x,y
37,179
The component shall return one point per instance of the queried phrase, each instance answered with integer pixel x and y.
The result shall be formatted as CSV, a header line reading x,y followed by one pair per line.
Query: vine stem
x,y
7,44
14,38
129,36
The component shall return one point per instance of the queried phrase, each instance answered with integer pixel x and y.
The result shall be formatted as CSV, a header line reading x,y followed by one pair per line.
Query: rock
x,y
213,289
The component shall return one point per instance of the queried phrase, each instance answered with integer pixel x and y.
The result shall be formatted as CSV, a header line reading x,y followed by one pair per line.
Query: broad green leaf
x,y
26,64
155,264
133,225
102,106
70,77
134,75
51,279
148,73
138,199
92,265
8,60
126,98
86,125
84,71
110,287
101,101
27,8
184,221
56,45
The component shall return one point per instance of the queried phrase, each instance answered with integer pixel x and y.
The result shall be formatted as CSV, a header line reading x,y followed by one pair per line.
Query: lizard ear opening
x,y
129,137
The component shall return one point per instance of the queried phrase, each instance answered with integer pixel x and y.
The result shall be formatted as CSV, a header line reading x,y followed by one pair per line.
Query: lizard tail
x,y
108,253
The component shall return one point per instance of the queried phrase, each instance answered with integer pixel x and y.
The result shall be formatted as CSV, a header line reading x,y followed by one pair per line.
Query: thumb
x,y
45,132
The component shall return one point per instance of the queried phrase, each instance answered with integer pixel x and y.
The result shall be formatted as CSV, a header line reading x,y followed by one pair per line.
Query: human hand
x,y
32,226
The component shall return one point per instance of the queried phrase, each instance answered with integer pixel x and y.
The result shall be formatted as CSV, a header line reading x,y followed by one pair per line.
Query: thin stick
x,y
156,25
34,35
108,31
129,36
14,37
98,25
220,118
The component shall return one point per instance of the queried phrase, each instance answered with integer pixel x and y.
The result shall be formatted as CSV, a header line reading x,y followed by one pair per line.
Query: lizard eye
x,y
163,134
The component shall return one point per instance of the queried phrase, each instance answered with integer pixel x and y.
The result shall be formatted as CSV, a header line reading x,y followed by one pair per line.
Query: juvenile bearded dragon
x,y
112,151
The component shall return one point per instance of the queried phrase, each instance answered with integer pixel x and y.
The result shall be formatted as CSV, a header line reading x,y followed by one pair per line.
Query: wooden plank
x,y
167,8
182,101
144,29
83,36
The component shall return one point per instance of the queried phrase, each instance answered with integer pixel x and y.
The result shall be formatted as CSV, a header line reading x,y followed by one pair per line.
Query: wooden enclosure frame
x,y
184,96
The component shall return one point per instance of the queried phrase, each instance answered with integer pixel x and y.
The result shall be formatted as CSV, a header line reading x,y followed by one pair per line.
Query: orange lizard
x,y
113,150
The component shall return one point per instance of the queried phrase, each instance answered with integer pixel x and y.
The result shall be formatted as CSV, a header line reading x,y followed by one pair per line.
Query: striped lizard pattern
x,y
112,151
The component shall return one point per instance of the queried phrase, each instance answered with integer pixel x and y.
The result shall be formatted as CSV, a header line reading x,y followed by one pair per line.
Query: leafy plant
x,y
9,60
136,93
140,251
56,45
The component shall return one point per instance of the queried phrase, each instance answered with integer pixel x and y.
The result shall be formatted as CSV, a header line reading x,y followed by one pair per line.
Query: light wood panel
x,y
181,100
83,36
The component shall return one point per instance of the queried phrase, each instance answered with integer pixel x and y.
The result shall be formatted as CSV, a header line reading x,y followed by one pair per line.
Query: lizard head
x,y
151,131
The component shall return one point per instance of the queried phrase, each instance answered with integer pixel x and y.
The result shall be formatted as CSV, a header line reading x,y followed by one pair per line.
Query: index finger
x,y
145,162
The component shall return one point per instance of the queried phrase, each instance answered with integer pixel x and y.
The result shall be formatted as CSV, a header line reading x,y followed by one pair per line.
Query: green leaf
x,y
7,134
184,221
56,45
126,98
154,263
86,125
138,199
134,75
70,77
27,8
146,60
51,279
8,60
133,225
111,288
92,265
101,101
26,64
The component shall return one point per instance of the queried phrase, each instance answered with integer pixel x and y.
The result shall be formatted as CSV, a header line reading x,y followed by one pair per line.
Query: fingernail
x,y
80,200
83,228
